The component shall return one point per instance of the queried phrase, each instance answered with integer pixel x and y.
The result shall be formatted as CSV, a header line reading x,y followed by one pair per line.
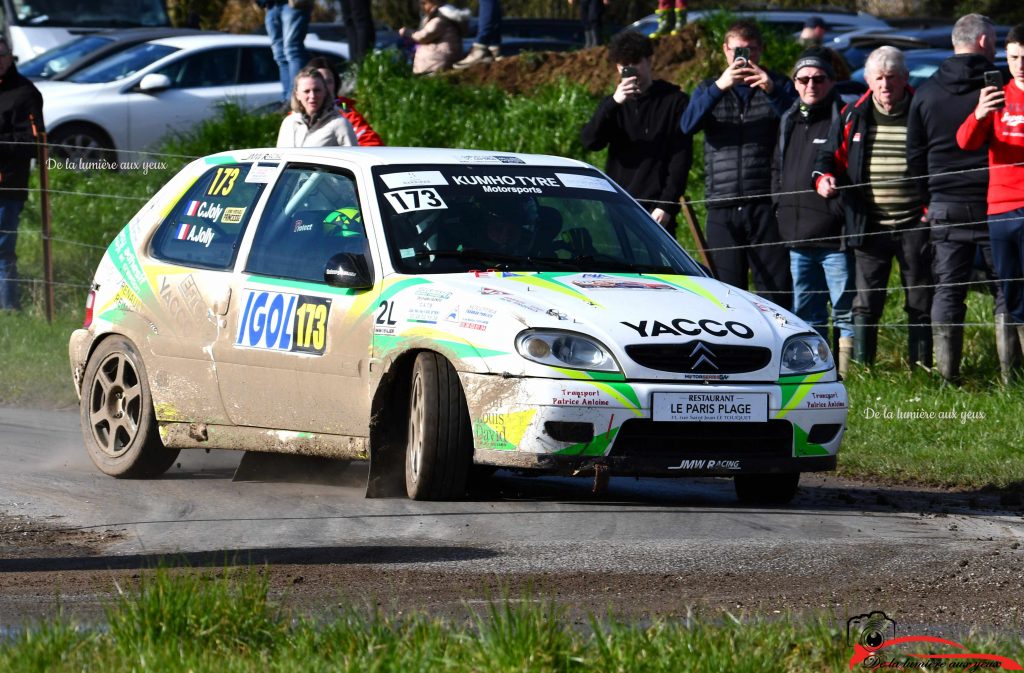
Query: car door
x,y
200,81
189,266
294,352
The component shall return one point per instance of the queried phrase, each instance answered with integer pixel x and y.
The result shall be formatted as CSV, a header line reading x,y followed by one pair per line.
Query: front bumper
x,y
573,426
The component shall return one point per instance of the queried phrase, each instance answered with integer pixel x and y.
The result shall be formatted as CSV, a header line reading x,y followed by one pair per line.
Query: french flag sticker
x,y
182,231
193,208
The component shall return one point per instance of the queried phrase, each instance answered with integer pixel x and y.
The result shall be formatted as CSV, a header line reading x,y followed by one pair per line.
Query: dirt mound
x,y
680,59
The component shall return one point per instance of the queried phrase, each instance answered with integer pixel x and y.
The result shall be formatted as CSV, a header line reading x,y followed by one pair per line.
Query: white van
x,y
33,26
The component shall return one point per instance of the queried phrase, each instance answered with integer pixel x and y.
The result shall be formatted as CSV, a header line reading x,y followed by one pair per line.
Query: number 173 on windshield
x,y
408,200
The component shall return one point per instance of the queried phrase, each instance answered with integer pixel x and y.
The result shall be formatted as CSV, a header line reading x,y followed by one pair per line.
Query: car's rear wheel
x,y
81,142
767,489
117,414
439,445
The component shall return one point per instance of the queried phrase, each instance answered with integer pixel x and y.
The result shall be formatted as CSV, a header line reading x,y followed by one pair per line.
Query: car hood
x,y
54,90
642,319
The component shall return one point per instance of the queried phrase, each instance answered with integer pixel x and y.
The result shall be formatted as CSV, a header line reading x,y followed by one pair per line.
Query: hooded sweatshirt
x,y
647,152
21,120
940,106
1004,132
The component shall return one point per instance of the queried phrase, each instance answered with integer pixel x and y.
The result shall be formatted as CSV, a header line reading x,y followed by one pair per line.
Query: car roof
x,y
381,156
145,33
211,39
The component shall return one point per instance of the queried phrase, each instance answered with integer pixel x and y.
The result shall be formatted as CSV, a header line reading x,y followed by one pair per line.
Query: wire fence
x,y
838,239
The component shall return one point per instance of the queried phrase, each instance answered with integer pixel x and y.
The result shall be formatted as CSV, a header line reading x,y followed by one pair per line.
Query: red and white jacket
x,y
1003,130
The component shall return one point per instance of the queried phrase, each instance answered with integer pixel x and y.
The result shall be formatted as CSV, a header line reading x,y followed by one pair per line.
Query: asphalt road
x,y
943,561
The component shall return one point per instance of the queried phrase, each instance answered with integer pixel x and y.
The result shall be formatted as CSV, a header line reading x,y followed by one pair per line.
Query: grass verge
x,y
226,622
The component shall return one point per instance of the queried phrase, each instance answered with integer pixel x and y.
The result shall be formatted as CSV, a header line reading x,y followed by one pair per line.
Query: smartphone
x,y
741,53
628,71
994,78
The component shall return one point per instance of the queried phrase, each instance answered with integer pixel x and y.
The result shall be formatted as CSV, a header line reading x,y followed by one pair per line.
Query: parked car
x,y
923,63
435,309
35,27
855,46
785,20
65,60
132,99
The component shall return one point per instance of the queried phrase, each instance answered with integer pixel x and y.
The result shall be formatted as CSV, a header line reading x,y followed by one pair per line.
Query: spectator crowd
x,y
814,199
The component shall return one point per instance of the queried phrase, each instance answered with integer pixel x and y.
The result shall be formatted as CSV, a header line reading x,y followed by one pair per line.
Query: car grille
x,y
700,357
644,438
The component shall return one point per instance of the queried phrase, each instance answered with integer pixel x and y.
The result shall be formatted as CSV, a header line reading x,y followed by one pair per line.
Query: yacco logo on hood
x,y
681,326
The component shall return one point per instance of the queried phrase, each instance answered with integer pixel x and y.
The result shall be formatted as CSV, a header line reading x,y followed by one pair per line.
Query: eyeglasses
x,y
817,79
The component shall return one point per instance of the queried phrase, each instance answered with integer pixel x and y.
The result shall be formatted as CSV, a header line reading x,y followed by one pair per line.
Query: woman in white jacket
x,y
314,120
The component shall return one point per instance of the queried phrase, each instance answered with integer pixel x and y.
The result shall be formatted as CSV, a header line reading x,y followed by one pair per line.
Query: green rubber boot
x,y
664,23
680,21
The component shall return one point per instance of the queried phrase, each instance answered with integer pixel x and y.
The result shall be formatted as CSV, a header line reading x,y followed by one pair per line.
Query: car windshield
x,y
55,61
122,64
448,219
106,14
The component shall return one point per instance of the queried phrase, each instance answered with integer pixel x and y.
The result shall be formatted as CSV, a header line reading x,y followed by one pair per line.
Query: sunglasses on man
x,y
817,79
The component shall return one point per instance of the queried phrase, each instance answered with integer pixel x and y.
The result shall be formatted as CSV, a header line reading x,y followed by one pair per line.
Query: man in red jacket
x,y
999,121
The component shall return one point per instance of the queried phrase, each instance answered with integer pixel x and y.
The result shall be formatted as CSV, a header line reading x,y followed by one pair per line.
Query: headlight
x,y
565,349
805,354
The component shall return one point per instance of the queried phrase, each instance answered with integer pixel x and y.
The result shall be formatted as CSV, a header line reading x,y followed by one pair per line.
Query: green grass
x,y
34,360
227,621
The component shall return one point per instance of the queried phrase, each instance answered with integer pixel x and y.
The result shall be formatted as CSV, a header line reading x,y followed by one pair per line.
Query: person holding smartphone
x,y
998,120
739,112
954,183
648,154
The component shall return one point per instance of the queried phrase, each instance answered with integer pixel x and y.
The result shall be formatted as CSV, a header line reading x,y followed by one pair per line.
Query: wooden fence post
x,y
698,236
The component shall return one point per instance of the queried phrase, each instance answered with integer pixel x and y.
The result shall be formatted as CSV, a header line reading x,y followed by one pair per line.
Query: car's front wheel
x,y
767,489
439,446
117,416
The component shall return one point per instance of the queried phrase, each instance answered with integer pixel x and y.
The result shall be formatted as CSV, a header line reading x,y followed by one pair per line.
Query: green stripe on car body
x,y
598,446
688,284
549,281
792,395
801,447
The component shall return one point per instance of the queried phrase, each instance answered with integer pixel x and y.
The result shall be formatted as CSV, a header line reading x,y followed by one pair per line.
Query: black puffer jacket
x,y
806,219
740,129
939,107
21,106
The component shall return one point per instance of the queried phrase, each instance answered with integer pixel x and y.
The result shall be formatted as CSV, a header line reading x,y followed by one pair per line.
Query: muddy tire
x,y
766,489
117,417
439,446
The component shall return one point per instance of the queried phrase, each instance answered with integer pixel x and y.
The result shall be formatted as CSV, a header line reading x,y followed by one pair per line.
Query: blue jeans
x,y
1006,230
821,275
10,209
287,29
489,23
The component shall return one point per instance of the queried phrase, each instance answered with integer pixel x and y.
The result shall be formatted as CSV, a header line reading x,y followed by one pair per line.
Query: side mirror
x,y
348,270
154,82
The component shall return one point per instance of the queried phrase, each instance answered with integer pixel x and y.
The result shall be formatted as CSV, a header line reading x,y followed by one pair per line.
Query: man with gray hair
x,y
21,120
954,184
866,158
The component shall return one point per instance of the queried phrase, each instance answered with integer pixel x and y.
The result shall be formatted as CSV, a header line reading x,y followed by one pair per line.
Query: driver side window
x,y
312,215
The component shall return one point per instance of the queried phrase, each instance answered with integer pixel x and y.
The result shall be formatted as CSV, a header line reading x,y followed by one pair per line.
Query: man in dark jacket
x,y
21,119
739,113
956,191
812,227
647,152
867,153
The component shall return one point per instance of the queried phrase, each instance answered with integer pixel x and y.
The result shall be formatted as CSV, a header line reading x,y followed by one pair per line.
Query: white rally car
x,y
430,310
